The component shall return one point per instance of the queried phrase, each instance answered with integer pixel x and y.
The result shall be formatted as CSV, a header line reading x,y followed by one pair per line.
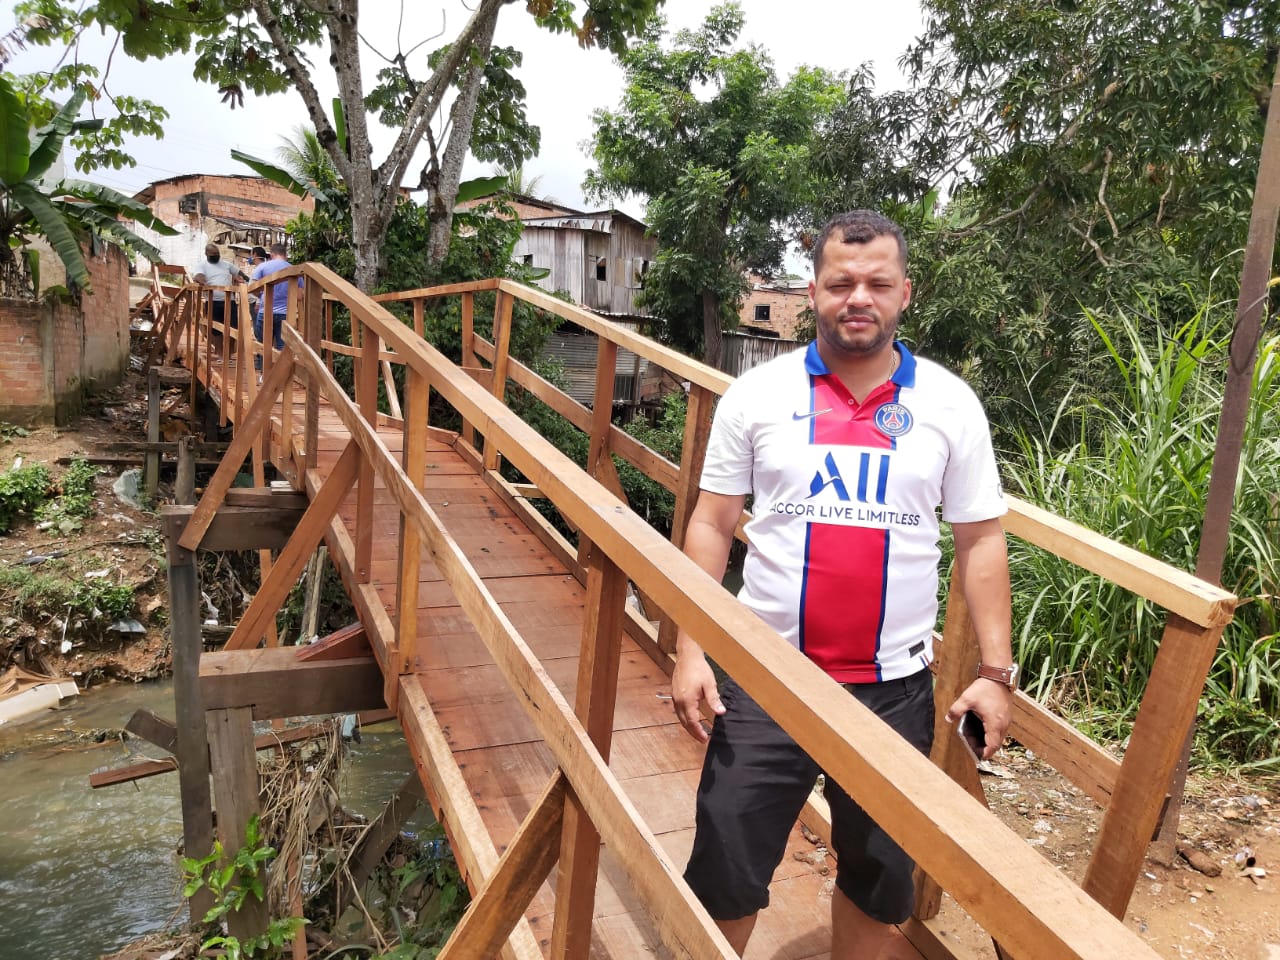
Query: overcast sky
x,y
565,84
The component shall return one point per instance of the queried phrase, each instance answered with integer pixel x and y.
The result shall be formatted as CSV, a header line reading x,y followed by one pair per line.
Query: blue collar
x,y
904,376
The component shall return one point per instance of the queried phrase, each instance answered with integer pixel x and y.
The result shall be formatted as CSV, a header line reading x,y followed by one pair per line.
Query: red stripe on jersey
x,y
842,596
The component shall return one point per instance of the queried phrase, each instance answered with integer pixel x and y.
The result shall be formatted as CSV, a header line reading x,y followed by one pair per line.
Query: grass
x,y
1136,468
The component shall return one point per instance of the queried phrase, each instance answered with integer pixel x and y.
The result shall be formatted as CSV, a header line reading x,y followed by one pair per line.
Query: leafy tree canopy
x,y
721,151
1103,150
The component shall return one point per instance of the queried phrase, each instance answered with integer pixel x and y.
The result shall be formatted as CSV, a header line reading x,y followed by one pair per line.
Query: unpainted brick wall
x,y
54,353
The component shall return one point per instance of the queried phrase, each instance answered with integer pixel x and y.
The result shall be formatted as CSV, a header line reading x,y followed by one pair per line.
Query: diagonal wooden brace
x,y
528,860
246,436
285,571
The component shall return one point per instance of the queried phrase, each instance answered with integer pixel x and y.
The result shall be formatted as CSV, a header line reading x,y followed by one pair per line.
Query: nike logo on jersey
x,y
809,416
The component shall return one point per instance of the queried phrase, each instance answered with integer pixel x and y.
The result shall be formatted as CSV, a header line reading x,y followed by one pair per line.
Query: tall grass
x,y
1136,467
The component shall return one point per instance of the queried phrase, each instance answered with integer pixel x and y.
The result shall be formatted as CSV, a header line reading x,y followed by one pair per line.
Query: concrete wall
x,y
56,352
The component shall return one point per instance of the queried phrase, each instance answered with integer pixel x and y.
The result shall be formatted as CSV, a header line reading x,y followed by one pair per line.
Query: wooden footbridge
x,y
535,696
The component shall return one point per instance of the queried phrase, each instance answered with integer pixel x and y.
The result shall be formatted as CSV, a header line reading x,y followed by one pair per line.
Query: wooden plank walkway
x,y
502,759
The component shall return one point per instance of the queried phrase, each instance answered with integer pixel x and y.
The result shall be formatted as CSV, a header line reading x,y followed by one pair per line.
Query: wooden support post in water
x,y
192,743
235,786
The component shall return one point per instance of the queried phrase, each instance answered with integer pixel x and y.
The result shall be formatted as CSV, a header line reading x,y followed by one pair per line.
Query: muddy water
x,y
83,872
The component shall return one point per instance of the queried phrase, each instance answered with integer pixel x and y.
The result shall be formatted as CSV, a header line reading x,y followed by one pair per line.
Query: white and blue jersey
x,y
842,555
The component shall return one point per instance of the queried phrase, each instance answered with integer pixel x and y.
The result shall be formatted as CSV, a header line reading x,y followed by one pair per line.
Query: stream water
x,y
83,871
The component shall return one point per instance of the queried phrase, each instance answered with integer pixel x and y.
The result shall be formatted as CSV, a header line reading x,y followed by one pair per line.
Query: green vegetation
x,y
232,881
75,502
430,890
53,592
70,213
21,492
1136,467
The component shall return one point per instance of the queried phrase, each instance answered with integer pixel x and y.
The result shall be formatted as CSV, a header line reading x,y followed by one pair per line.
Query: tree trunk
x,y
462,120
369,206
712,336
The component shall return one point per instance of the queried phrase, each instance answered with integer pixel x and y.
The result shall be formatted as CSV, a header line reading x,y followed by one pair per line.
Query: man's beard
x,y
883,335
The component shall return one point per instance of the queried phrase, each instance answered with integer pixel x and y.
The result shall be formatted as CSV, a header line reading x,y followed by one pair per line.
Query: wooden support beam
x,y
377,838
594,704
192,742
1168,709
343,644
235,788
524,866
151,469
468,353
154,729
275,740
243,528
275,683
284,573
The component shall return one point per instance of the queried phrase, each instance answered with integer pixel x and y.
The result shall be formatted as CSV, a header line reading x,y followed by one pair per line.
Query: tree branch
x,y
301,77
431,93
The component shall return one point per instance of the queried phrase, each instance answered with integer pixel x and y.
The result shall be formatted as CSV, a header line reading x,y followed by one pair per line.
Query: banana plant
x,y
69,213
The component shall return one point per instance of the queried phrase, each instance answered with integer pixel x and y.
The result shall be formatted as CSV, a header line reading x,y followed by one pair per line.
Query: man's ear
x,y
906,293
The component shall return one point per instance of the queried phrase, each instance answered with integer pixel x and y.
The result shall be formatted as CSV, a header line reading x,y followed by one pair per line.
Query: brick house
x,y
773,307
236,212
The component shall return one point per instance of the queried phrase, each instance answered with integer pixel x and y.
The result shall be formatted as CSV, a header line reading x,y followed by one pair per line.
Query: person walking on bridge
x,y
274,299
847,447
221,275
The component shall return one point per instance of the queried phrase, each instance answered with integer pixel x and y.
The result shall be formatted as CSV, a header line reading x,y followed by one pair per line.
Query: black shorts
x,y
755,781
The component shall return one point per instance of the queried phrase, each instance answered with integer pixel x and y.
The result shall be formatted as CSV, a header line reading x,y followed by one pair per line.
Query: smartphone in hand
x,y
971,731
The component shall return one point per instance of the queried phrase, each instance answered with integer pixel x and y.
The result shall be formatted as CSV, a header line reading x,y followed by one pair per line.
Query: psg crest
x,y
893,419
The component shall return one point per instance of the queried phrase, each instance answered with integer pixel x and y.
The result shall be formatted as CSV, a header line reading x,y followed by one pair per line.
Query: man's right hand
x,y
692,682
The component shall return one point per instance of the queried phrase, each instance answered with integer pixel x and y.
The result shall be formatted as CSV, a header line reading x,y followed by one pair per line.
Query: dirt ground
x,y
1179,911
1182,913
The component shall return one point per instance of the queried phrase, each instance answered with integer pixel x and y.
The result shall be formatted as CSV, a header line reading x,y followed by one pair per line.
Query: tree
x,y
1109,151
723,154
68,213
262,46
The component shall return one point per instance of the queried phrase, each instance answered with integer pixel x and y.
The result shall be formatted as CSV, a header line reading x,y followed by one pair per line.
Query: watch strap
x,y
1006,676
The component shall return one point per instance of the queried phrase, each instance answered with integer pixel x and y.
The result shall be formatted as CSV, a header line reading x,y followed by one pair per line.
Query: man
x,y
848,447
219,274
274,298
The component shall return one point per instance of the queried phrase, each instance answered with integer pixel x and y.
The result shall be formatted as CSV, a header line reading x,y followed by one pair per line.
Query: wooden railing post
x,y
599,455
415,467
957,666
313,316
604,611
292,306
502,308
693,450
329,307
367,400
468,354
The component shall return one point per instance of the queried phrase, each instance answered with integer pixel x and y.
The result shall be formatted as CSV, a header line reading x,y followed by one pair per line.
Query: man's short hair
x,y
211,249
277,249
859,226
259,253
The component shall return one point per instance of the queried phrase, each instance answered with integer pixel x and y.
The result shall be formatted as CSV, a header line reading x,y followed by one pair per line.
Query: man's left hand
x,y
991,701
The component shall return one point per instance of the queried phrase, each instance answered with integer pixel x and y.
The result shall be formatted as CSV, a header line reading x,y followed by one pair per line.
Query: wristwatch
x,y
1006,676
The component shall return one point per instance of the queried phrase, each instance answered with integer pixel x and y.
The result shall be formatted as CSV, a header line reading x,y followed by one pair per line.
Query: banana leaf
x,y
15,148
48,143
53,225
114,200
108,226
